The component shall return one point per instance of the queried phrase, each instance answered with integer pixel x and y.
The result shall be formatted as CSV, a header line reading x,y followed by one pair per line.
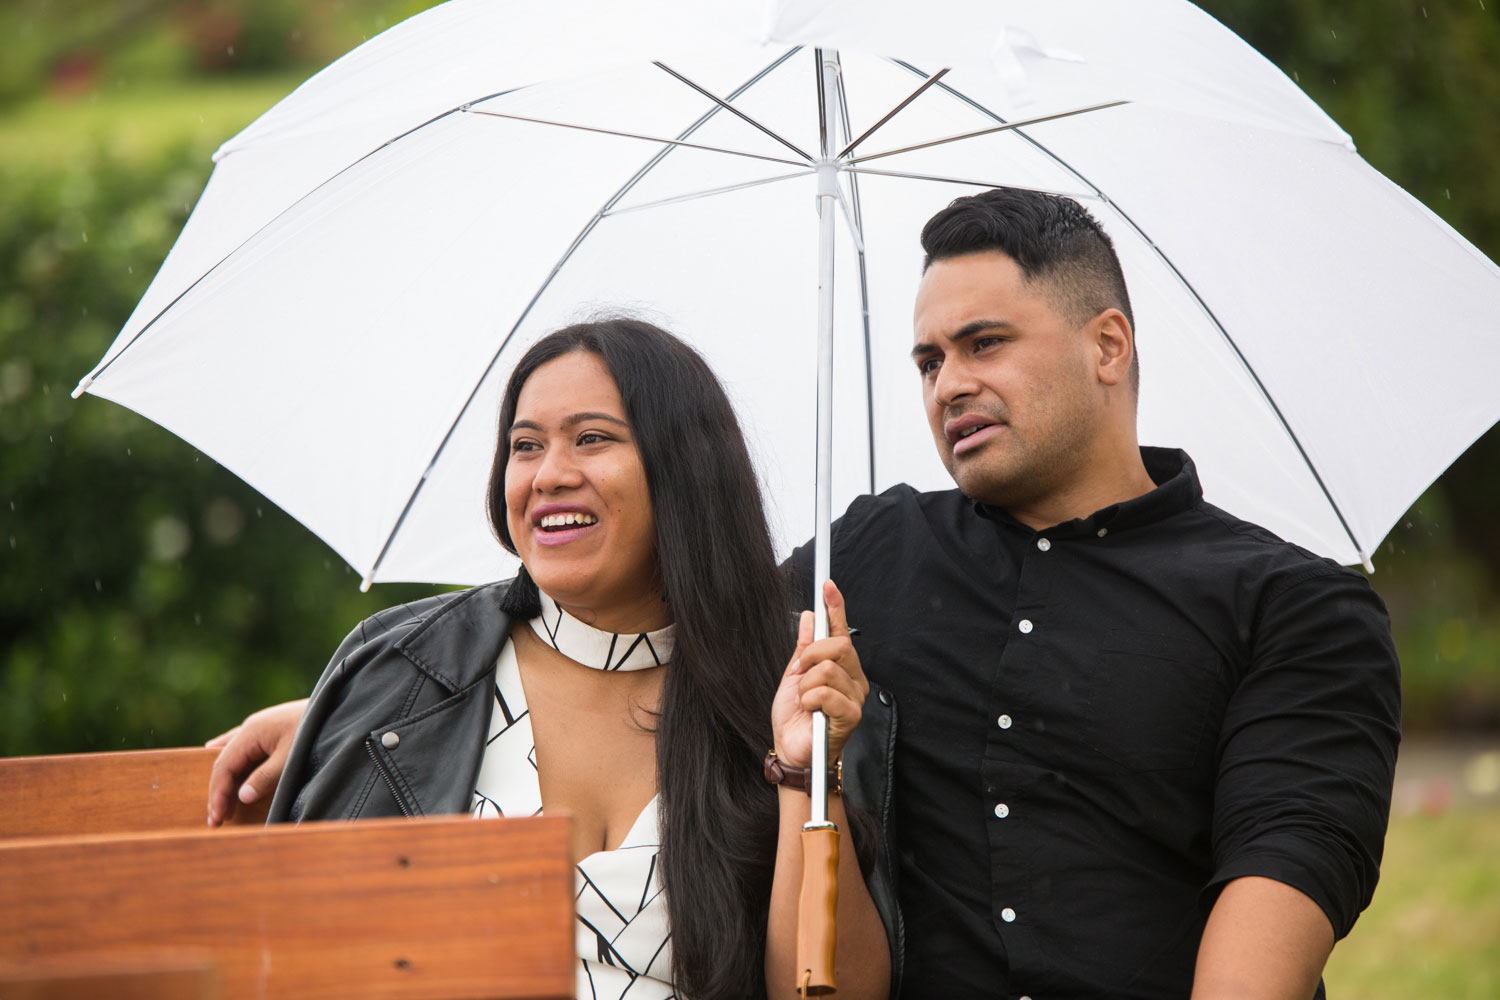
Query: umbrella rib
x,y
934,78
1188,285
634,135
707,193
858,222
588,228
1005,127
92,376
732,109
1092,195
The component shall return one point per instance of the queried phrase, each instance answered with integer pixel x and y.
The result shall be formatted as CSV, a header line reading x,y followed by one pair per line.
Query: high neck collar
x,y
592,647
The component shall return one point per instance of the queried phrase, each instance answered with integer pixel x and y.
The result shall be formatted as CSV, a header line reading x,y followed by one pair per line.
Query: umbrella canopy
x,y
337,320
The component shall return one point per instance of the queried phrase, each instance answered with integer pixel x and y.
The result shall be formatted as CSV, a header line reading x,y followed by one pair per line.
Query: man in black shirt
x,y
1144,747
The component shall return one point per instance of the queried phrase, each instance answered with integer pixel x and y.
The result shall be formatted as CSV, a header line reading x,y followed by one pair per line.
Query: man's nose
x,y
954,381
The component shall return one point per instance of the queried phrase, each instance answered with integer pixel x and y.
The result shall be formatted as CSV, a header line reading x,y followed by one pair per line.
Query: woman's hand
x,y
822,676
253,758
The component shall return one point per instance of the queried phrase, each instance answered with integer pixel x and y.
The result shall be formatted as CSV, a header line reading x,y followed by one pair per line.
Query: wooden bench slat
x,y
136,790
439,907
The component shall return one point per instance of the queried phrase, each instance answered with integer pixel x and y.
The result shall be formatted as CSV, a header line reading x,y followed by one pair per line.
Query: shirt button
x,y
389,741
1103,531
1043,544
1002,810
1008,915
1003,722
1025,626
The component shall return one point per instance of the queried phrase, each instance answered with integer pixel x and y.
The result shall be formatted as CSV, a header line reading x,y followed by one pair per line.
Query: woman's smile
x,y
561,523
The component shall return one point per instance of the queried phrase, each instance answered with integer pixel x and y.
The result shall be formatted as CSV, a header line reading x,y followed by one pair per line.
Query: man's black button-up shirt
x,y
1104,722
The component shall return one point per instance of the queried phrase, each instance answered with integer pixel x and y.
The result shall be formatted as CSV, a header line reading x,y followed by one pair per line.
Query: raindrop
x,y
12,541
197,618
1448,193
129,269
1335,34
1296,77
85,236
230,50
128,452
98,586
85,310
1424,13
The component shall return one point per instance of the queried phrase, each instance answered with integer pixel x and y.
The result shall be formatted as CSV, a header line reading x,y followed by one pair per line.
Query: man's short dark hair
x,y
1053,239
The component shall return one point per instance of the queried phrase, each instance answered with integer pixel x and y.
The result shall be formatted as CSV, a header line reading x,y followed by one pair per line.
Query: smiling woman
x,y
578,512
629,676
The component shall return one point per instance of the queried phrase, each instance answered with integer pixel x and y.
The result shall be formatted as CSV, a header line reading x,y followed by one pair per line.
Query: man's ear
x,y
1115,342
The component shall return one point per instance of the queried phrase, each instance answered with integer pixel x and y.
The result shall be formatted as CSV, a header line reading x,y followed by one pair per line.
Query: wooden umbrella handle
x,y
817,911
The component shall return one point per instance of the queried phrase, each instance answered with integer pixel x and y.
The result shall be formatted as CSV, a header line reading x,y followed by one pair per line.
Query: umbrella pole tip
x,y
364,584
83,386
1369,566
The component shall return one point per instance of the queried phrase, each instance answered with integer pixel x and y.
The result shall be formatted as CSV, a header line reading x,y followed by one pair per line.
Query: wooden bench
x,y
425,908
132,791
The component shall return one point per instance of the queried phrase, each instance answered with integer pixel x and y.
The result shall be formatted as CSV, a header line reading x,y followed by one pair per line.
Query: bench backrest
x,y
137,790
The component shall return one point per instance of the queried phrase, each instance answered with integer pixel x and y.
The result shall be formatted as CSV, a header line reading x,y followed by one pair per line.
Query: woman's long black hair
x,y
733,635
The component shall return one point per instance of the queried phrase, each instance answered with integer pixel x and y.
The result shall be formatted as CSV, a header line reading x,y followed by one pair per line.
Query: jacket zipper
x,y
400,803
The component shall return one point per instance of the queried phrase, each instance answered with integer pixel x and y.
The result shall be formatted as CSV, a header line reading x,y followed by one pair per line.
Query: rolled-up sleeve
x,y
1307,752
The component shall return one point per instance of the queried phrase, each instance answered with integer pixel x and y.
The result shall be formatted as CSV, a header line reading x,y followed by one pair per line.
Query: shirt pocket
x,y
1149,698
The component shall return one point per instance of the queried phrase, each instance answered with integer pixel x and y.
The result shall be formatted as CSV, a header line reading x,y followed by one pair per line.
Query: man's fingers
x,y
838,620
223,738
262,781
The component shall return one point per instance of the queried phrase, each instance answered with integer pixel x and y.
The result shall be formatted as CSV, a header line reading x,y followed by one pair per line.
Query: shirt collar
x,y
1177,489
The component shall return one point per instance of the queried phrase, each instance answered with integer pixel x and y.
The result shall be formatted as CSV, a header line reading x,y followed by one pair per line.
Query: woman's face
x,y
576,500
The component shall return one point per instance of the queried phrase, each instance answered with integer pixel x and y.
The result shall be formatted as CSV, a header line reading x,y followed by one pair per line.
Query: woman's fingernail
x,y
248,794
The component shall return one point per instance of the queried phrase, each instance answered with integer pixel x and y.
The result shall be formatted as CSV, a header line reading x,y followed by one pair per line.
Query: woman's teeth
x,y
552,522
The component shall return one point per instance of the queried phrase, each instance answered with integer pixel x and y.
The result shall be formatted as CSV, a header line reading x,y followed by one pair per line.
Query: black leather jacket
x,y
396,725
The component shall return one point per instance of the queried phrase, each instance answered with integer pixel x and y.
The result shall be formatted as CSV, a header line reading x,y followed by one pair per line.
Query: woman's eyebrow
x,y
579,418
576,418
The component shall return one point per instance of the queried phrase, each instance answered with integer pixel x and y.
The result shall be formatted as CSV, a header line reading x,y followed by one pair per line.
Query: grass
x,y
135,123
1433,929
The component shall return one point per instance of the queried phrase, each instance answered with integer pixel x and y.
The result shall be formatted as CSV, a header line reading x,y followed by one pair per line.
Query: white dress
x,y
623,941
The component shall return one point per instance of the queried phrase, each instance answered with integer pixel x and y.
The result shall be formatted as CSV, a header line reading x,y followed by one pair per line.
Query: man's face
x,y
1009,383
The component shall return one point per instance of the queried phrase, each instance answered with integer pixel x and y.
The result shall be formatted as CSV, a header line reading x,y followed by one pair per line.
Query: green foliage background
x,y
149,598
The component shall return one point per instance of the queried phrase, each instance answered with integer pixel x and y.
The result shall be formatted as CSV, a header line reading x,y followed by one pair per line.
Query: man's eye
x,y
980,343
927,366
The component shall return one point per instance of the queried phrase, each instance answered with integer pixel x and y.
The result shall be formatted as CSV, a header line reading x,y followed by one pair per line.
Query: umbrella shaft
x,y
827,213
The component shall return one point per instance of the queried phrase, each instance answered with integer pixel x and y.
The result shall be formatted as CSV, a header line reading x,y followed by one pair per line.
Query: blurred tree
x,y
149,597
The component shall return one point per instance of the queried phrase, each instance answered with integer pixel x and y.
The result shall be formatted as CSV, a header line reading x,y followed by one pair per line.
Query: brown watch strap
x,y
778,773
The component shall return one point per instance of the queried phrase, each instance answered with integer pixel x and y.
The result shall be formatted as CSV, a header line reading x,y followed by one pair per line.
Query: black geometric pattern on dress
x,y
622,939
